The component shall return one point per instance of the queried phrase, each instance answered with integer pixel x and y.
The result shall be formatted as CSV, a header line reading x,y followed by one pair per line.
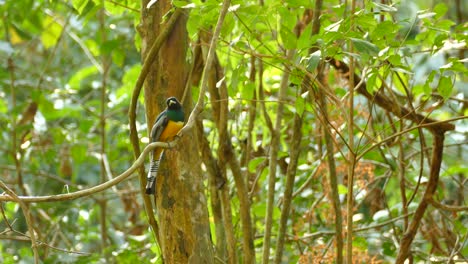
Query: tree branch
x,y
437,152
445,207
27,215
96,189
382,101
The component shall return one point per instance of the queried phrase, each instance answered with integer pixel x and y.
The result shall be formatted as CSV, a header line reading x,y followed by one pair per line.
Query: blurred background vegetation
x,y
67,73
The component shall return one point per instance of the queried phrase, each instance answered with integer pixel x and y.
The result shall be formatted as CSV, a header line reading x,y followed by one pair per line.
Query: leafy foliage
x,y
70,67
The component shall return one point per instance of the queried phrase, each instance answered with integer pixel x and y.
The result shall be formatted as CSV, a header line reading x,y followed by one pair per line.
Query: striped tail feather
x,y
151,180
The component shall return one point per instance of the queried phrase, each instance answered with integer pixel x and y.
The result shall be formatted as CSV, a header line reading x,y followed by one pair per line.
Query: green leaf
x,y
92,47
445,24
445,87
109,46
234,80
334,27
51,33
385,8
286,19
128,82
78,153
80,75
395,59
288,38
314,60
193,24
112,7
248,91
3,106
79,5
440,10
300,105
253,163
296,76
367,22
388,248
305,39
371,81
385,29
342,189
365,46
360,242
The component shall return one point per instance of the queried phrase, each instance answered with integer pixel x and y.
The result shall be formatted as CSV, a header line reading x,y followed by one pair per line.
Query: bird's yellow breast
x,y
171,130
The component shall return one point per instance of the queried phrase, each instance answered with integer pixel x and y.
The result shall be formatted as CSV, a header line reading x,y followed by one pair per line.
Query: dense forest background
x,y
322,131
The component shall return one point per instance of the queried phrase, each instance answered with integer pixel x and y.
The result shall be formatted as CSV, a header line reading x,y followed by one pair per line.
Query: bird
x,y
165,128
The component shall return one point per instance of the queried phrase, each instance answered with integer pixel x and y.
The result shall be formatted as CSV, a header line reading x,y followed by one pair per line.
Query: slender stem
x,y
227,155
14,143
27,216
288,191
401,174
102,117
275,137
431,186
333,179
351,154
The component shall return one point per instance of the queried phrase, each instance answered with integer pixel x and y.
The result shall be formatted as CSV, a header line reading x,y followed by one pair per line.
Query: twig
x,y
27,216
311,176
357,230
405,244
102,122
447,207
436,123
14,147
5,218
40,173
332,175
226,153
384,102
24,237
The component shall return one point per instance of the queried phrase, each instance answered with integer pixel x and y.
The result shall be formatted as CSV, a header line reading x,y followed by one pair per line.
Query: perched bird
x,y
167,125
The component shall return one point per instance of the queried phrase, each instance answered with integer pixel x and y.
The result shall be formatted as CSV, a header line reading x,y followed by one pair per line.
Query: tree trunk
x,y
180,200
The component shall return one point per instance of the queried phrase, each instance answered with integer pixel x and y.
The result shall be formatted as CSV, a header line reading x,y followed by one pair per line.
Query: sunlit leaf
x,y
445,86
288,38
342,189
248,91
440,9
79,5
51,33
384,7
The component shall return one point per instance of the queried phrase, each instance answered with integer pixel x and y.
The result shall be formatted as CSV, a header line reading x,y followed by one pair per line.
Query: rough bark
x,y
180,201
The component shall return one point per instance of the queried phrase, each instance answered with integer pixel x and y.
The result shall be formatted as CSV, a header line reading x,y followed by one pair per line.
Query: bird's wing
x,y
159,125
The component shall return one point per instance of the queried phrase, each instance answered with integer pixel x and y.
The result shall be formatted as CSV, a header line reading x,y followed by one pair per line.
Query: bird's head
x,y
173,104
